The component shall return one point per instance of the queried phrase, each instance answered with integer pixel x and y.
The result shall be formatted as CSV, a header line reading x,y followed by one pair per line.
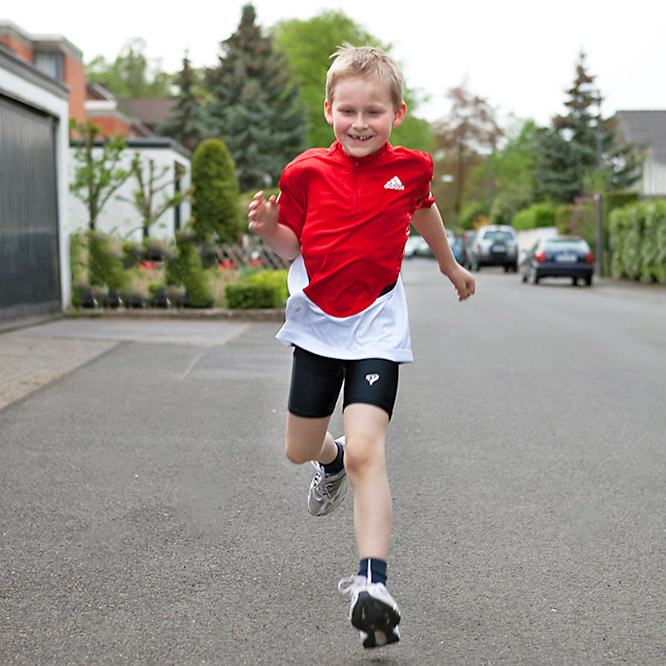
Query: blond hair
x,y
365,61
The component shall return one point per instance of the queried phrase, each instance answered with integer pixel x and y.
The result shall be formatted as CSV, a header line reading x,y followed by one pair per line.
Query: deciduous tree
x,y
97,168
130,75
468,131
150,197
308,46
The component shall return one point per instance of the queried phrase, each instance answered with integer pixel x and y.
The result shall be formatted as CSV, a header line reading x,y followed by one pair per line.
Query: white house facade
x,y
119,217
646,130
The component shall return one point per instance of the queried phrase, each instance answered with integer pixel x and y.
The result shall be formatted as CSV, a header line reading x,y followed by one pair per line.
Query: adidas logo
x,y
394,184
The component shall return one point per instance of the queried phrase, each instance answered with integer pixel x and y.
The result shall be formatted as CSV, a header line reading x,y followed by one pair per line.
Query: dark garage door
x,y
29,262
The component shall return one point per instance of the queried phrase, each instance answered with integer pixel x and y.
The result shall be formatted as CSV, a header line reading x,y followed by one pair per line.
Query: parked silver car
x,y
494,245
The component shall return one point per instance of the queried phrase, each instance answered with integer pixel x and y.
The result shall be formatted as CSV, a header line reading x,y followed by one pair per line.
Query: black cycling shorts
x,y
316,382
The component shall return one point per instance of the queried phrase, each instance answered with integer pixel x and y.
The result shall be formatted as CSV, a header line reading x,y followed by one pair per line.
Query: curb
x,y
263,314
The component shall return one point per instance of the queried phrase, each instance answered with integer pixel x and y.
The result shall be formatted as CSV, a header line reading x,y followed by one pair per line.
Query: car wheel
x,y
574,282
588,281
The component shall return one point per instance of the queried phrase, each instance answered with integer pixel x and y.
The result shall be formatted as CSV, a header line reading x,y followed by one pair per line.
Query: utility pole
x,y
447,178
598,195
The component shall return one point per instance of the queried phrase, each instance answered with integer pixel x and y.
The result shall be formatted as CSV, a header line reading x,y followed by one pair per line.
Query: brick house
x,y
42,87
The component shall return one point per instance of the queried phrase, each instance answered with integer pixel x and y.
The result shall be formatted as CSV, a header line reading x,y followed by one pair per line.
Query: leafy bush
x,y
263,289
563,215
192,273
638,240
275,279
244,296
537,215
77,254
105,264
583,221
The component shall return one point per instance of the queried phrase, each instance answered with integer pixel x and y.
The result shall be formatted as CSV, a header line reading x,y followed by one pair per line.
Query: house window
x,y
50,63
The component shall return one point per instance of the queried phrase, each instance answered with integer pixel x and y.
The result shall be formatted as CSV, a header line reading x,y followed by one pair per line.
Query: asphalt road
x,y
148,515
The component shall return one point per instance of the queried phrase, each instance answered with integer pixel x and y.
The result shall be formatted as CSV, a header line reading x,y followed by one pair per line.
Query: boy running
x,y
343,216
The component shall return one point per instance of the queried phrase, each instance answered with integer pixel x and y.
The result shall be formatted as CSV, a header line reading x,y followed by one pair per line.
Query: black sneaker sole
x,y
371,640
371,615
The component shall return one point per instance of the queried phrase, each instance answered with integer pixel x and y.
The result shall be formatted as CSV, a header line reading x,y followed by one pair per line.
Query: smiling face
x,y
362,115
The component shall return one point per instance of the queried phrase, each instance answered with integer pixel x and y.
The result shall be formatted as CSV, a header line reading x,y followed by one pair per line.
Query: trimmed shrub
x,y
263,289
192,273
215,194
105,264
275,279
244,296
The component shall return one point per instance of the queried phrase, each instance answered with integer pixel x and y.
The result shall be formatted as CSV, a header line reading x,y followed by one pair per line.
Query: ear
x,y
328,112
399,114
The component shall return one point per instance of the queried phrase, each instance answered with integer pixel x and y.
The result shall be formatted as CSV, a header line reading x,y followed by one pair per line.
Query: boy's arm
x,y
263,221
428,222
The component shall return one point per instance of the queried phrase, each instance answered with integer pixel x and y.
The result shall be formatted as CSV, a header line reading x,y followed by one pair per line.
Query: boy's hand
x,y
463,282
263,215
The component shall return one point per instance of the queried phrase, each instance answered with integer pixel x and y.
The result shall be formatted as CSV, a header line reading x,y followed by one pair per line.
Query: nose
x,y
359,120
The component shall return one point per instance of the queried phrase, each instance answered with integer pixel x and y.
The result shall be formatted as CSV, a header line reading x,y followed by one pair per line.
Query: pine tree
x,y
256,109
187,122
580,147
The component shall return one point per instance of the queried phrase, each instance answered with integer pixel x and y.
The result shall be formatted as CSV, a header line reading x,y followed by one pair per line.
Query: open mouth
x,y
356,137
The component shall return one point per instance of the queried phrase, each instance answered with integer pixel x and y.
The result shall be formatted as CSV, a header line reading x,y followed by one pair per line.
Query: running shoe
x,y
373,611
327,490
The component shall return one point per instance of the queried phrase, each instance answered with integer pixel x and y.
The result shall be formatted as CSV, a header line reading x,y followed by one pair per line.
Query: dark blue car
x,y
558,257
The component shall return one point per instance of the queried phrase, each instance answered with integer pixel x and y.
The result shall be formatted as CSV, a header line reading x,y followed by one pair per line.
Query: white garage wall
x,y
119,218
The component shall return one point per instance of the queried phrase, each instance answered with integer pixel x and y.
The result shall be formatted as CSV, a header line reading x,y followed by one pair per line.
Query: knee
x,y
362,454
294,453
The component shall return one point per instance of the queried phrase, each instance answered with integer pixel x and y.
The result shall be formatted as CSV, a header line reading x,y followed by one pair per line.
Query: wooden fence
x,y
252,253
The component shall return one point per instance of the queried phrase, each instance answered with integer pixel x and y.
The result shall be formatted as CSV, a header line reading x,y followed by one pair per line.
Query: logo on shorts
x,y
372,378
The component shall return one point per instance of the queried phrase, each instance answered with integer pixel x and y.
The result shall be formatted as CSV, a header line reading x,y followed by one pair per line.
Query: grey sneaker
x,y
327,491
373,611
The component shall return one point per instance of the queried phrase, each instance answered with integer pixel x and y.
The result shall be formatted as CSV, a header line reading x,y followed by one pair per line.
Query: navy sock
x,y
373,569
337,465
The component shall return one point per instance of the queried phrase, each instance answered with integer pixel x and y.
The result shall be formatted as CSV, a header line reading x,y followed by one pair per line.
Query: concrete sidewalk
x,y
37,355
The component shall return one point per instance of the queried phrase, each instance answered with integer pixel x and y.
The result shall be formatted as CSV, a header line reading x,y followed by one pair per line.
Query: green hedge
x,y
262,289
537,215
638,241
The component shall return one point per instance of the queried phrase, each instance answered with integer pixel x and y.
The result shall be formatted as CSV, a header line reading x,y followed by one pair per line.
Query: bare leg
x,y
365,462
308,439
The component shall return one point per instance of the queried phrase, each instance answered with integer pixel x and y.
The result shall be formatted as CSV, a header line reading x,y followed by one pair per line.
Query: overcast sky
x,y
518,54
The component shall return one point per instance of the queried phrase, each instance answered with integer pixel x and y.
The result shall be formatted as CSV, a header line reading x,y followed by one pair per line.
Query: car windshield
x,y
566,245
498,234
